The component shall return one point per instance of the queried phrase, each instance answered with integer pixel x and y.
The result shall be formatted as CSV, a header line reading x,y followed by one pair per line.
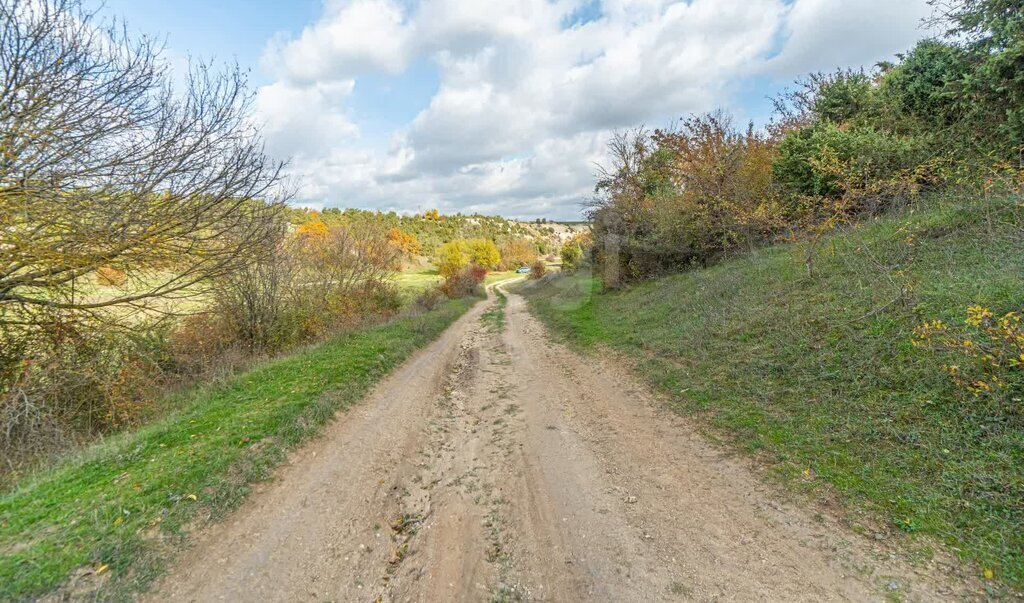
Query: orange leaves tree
x,y
406,243
314,228
516,253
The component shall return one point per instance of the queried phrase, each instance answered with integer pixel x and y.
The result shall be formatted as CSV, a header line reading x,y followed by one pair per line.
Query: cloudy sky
x,y
504,106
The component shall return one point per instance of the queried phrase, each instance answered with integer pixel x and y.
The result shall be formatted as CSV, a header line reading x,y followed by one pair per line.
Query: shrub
x,y
682,197
925,87
483,252
429,299
518,252
576,250
76,380
990,33
201,340
990,349
307,287
452,258
843,96
572,255
830,161
464,282
538,270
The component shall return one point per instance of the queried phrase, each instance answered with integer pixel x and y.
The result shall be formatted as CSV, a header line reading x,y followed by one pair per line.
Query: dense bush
x,y
452,258
571,255
312,284
430,299
828,161
991,34
678,197
517,253
842,146
77,379
483,252
464,282
538,270
456,255
925,91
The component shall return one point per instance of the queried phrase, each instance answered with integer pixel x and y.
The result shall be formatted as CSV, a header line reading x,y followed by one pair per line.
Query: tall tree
x,y
105,161
992,31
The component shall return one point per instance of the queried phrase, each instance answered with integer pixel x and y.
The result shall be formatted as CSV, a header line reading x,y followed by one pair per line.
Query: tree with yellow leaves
x,y
452,257
407,243
483,252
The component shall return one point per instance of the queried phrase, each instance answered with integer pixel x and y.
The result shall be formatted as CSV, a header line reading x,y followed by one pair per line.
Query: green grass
x,y
415,281
497,277
820,374
494,318
125,503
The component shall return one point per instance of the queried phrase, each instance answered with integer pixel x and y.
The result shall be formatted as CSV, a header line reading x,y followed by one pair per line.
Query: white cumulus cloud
x,y
529,90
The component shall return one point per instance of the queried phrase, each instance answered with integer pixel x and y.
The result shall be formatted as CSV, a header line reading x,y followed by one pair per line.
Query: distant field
x,y
413,282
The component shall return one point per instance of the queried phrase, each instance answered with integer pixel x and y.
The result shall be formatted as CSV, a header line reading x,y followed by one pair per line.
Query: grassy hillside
x,y
819,375
113,514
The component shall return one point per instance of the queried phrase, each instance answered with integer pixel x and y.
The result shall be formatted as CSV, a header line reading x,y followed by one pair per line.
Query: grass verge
x,y
103,523
818,375
494,317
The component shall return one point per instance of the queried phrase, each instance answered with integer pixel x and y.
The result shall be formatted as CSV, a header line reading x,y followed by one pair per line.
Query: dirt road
x,y
497,465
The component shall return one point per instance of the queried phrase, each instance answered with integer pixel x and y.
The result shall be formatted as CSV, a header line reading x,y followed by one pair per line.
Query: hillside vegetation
x,y
820,375
432,229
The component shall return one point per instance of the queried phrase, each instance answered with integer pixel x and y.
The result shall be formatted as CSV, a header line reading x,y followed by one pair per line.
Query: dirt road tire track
x,y
498,465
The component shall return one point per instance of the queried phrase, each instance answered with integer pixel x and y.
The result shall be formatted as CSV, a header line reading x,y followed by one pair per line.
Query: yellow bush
x,y
992,349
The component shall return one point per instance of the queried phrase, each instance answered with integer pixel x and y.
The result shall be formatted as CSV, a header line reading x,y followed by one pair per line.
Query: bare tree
x,y
104,161
307,282
254,298
341,264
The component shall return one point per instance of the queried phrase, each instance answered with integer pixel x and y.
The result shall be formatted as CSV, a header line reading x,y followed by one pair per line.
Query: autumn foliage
x,y
458,254
406,243
465,281
985,357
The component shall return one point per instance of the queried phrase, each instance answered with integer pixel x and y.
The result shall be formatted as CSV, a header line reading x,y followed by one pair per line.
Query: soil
x,y
500,465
